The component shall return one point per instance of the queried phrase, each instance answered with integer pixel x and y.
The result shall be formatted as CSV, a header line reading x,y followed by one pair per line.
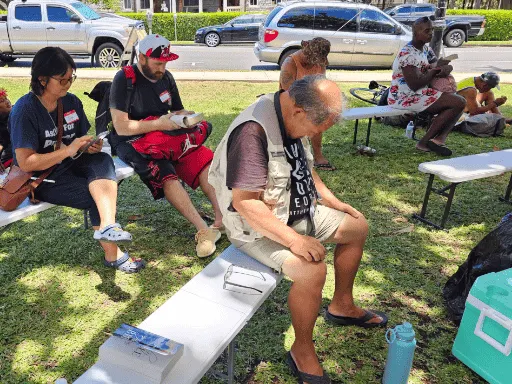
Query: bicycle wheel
x,y
371,96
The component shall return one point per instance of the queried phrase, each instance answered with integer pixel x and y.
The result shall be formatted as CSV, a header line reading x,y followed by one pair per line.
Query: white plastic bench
x,y
460,169
370,113
27,209
205,315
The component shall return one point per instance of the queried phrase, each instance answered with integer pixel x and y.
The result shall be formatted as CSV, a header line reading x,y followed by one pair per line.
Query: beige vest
x,y
277,192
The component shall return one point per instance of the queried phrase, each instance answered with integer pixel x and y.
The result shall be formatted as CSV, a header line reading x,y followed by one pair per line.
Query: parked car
x,y
34,24
458,28
241,29
360,34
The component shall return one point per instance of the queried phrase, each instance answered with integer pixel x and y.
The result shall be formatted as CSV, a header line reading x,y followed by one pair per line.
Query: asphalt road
x,y
242,58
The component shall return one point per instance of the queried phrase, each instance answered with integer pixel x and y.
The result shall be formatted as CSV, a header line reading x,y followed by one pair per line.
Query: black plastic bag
x,y
492,254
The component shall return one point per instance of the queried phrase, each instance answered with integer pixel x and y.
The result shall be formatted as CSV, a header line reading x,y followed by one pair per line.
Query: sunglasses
x,y
64,82
424,19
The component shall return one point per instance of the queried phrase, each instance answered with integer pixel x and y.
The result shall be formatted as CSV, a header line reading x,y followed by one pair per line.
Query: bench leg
x,y
506,199
368,132
231,362
425,199
355,131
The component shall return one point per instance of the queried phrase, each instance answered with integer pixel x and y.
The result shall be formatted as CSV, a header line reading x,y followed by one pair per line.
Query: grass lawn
x,y
484,43
58,303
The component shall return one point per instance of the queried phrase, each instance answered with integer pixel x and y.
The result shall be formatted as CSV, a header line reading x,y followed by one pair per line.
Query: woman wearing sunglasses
x,y
83,177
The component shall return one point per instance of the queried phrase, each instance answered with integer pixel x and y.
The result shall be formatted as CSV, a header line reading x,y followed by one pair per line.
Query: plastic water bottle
x,y
400,354
61,381
409,130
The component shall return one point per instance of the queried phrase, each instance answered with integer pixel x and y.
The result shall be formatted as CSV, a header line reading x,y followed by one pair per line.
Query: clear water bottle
x,y
61,381
409,130
402,344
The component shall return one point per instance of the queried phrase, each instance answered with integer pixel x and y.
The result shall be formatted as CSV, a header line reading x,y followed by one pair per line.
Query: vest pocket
x,y
277,193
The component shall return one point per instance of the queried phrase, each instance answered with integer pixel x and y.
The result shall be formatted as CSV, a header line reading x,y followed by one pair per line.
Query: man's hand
x,y
95,148
184,112
500,101
348,210
166,124
308,247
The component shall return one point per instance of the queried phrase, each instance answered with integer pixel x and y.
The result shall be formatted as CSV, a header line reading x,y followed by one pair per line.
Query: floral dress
x,y
400,95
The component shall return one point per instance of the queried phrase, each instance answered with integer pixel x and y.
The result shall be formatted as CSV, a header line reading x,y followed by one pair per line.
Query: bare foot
x,y
355,312
439,142
306,359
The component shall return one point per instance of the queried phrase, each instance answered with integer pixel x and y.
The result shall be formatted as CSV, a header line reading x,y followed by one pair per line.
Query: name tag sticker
x,y
165,97
71,116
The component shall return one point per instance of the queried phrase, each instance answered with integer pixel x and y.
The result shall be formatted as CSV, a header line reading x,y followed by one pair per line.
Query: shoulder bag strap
x,y
60,133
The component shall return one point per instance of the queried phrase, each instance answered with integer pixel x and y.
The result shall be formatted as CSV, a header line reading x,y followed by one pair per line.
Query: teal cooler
x,y
484,339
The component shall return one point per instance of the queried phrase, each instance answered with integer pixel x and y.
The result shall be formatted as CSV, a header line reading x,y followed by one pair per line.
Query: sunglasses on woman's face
x,y
64,82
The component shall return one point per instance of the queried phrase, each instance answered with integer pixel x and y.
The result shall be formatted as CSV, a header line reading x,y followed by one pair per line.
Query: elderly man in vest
x,y
268,192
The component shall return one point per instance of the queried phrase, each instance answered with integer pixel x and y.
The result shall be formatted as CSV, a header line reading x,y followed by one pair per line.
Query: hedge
x,y
187,23
498,26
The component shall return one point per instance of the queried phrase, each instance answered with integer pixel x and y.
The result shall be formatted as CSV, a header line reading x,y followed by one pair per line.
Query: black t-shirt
x,y
147,99
247,164
32,126
5,139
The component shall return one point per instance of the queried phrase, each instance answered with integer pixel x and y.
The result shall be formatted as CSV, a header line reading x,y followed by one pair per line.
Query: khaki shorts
x,y
273,255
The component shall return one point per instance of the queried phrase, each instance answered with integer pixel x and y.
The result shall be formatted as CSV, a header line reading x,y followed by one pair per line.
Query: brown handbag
x,y
18,184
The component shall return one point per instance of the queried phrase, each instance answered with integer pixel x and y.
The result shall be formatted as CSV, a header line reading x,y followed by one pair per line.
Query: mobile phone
x,y
94,140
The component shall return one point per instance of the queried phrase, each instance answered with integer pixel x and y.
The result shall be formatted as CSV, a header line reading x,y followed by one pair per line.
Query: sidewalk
x,y
353,76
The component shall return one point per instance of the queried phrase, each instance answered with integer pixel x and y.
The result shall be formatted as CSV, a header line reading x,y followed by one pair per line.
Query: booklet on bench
x,y
187,121
141,351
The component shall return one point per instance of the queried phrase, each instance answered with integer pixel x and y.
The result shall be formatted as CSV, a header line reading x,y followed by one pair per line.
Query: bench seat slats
x,y
466,168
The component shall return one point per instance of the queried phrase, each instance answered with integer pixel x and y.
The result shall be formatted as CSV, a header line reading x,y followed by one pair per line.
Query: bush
x,y
187,23
498,26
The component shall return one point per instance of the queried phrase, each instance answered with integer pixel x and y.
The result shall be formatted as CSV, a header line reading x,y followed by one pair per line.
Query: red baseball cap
x,y
157,47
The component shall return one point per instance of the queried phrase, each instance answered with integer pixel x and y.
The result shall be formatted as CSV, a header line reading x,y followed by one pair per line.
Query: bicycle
x,y
372,94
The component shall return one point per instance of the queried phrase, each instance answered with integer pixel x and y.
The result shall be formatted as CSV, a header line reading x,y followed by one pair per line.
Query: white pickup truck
x,y
34,24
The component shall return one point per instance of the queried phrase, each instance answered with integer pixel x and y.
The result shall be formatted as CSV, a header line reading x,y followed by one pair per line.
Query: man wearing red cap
x,y
155,94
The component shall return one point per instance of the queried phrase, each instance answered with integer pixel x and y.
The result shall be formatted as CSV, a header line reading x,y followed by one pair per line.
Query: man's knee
x,y
305,272
352,230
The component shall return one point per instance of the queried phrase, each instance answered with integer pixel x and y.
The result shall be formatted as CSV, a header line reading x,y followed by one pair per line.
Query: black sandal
x,y
358,321
441,150
306,377
126,264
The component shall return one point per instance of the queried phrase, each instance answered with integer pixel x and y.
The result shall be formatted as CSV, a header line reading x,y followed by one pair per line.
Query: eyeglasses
x,y
64,82
234,269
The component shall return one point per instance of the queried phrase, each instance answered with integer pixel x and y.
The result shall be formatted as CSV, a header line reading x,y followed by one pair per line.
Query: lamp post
x,y
439,26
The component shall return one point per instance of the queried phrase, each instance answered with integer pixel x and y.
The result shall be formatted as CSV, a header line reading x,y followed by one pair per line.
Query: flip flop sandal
x,y
358,321
325,167
439,149
126,264
113,233
306,377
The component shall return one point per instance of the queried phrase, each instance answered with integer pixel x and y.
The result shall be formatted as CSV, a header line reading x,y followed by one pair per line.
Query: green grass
x,y
487,43
58,302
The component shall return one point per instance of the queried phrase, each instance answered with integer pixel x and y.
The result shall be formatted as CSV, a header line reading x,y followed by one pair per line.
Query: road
x,y
242,58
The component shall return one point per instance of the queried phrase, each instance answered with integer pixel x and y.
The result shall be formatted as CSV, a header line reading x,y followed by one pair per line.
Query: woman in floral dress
x,y
412,74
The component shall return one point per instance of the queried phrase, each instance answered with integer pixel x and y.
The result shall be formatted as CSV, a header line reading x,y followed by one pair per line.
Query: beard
x,y
149,74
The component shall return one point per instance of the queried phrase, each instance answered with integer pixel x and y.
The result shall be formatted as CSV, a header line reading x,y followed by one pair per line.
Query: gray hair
x,y
304,93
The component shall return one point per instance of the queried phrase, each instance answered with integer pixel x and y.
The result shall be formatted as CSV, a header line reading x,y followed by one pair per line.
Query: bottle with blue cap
x,y
402,343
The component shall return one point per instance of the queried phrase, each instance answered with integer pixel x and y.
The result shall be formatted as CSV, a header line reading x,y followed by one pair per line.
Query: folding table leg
x,y
448,204
506,199
368,132
355,131
231,362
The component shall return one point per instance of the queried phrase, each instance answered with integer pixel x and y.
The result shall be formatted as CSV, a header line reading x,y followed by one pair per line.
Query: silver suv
x,y
360,34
